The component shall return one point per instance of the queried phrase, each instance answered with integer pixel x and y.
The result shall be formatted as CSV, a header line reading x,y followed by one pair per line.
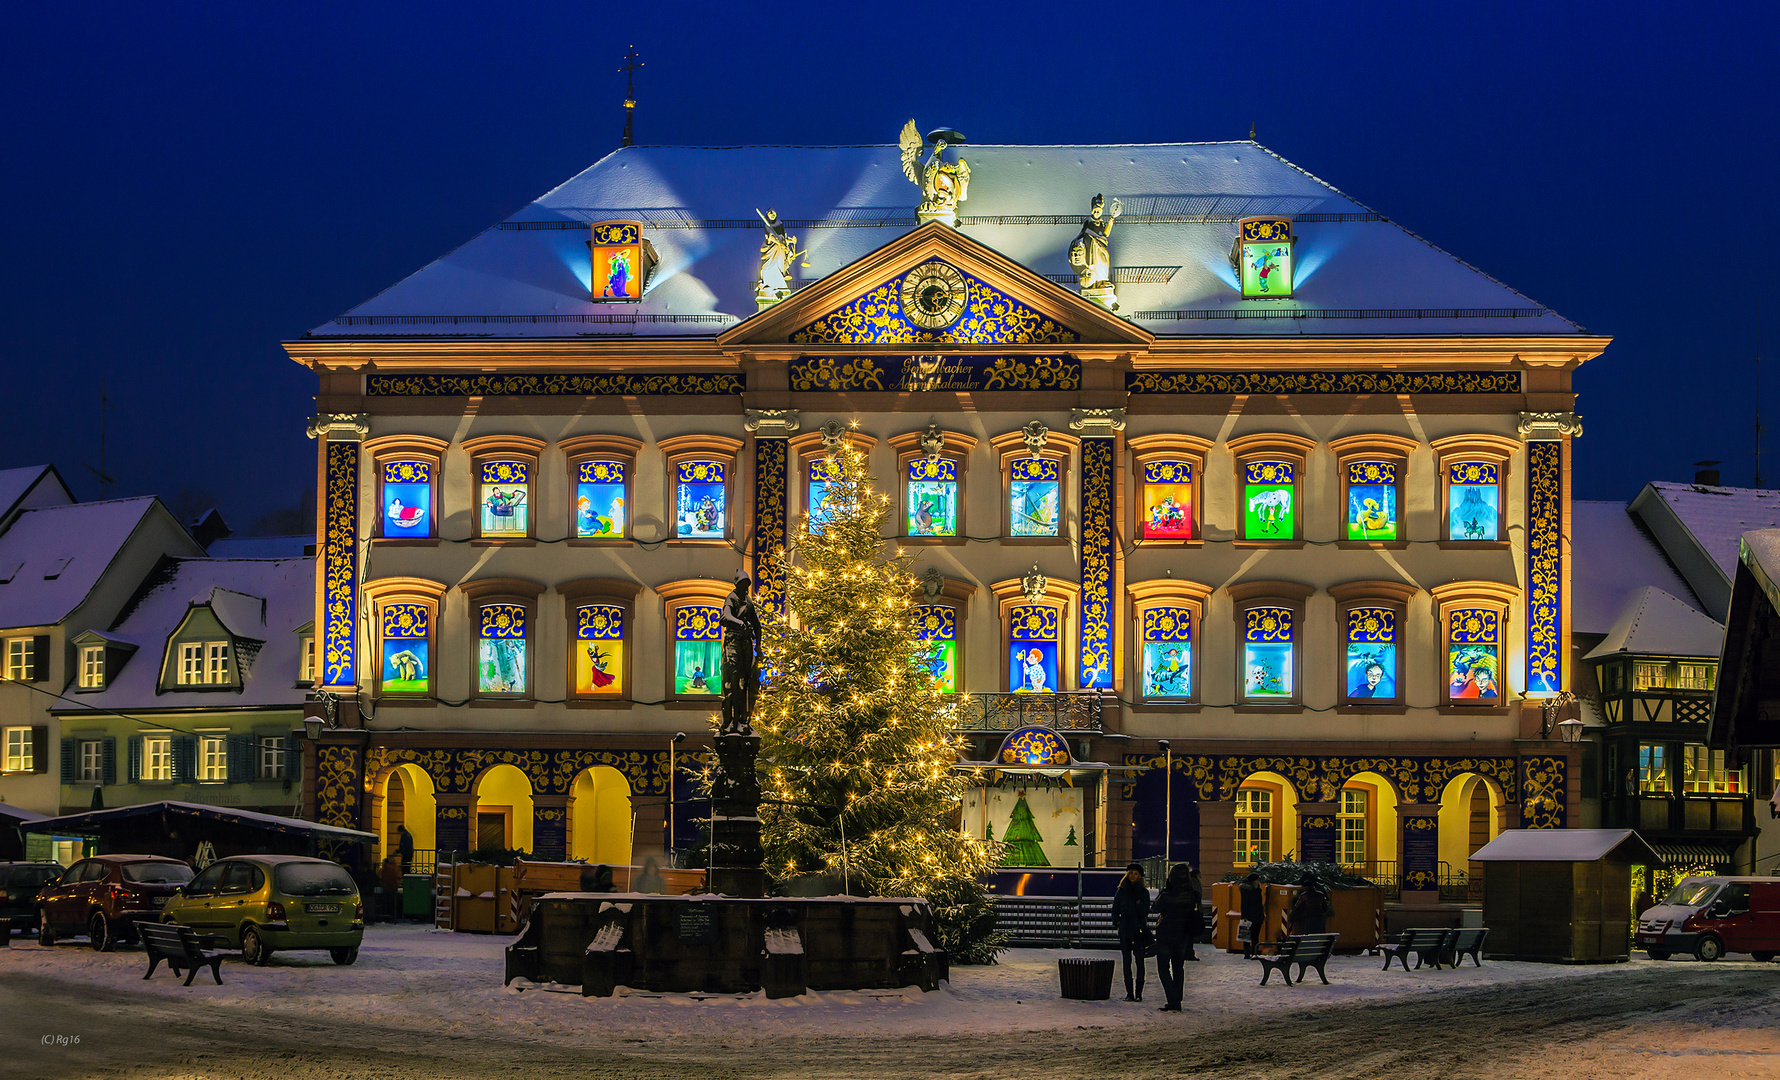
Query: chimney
x,y
1706,474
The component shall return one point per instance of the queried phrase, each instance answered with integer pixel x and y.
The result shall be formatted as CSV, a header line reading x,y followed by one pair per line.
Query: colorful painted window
x,y
506,497
618,256
407,634
938,626
701,500
1034,497
1032,649
1269,500
1371,654
931,495
1267,653
600,499
599,649
1372,500
1165,494
1473,500
408,498
501,649
1263,257
1473,645
698,650
1167,652
823,471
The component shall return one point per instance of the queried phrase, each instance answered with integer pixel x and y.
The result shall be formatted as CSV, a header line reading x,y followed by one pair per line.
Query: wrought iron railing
x,y
1078,710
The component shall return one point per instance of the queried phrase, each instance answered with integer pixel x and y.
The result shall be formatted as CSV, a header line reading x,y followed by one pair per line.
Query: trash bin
x,y
417,896
5,933
1086,980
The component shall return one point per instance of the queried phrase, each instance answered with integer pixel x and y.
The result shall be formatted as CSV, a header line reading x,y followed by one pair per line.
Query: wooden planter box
x,y
1357,917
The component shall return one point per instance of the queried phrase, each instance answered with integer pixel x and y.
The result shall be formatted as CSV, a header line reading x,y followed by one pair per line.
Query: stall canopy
x,y
1567,845
175,829
11,819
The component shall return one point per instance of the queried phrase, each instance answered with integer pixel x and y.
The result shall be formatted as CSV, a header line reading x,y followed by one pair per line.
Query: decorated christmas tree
x,y
858,738
1021,838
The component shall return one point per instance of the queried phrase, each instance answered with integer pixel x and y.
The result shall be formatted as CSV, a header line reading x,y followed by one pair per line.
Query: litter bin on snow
x,y
417,896
1085,980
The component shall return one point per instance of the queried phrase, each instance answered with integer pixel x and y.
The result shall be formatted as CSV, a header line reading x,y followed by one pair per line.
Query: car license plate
x,y
322,909
160,901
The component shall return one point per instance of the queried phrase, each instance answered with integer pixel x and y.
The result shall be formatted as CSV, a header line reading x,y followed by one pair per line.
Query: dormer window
x,y
92,667
1263,257
205,663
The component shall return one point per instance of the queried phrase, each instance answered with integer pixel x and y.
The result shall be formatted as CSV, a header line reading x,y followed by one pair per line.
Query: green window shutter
x,y
40,749
108,761
40,658
240,749
135,759
185,758
70,752
294,753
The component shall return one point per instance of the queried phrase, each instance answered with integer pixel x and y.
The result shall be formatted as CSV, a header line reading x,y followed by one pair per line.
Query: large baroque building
x,y
1247,482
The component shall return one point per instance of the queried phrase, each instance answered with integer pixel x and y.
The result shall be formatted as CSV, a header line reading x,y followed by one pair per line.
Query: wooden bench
x,y
1303,950
1466,941
181,947
1427,945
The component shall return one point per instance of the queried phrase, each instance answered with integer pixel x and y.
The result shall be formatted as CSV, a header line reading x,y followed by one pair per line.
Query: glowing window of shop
x,y
502,660
599,649
1269,635
1034,640
408,498
1165,493
406,648
1370,662
504,497
1474,656
1034,496
937,625
930,496
1166,656
698,650
1704,772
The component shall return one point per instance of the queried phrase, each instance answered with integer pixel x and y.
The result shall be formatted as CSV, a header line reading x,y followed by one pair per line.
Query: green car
x,y
266,903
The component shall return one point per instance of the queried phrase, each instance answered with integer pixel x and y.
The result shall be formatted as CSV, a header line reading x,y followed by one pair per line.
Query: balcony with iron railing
x,y
1072,711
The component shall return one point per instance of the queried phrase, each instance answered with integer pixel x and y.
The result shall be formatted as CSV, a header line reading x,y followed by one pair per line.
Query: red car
x,y
102,897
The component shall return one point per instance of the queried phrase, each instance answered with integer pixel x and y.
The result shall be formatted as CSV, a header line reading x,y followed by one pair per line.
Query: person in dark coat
x,y
1176,925
1310,910
1131,918
1197,925
405,848
1254,912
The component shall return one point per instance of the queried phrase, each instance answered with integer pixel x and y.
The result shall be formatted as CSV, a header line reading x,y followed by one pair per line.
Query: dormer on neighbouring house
x,y
306,653
98,657
215,643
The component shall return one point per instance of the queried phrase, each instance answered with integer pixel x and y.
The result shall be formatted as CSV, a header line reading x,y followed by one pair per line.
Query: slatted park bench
x,y
1428,945
181,947
1466,941
1302,950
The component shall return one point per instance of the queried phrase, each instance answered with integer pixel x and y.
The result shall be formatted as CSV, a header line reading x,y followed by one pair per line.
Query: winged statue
x,y
943,184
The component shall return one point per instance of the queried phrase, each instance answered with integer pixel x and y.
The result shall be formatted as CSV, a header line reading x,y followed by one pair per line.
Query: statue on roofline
x,y
943,185
777,246
1090,254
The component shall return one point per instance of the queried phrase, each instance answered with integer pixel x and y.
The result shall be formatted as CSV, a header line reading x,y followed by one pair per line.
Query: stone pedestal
x,y
735,853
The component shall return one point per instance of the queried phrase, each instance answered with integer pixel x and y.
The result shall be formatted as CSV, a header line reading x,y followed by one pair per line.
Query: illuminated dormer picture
x,y
623,260
1262,256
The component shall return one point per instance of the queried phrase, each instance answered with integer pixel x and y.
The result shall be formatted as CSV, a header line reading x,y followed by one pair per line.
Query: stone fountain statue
x,y
735,851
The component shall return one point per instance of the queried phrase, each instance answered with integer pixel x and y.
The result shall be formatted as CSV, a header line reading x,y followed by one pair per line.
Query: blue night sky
x,y
192,184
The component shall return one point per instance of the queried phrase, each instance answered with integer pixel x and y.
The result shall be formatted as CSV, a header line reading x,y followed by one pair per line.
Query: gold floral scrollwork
x,y
1543,792
1323,382
1096,564
337,786
339,559
990,317
677,384
1318,822
770,463
1545,596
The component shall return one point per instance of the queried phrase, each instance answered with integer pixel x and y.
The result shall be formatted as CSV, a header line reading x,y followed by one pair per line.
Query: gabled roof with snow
x,y
33,485
1566,845
1613,558
260,601
259,547
51,557
1717,516
1357,272
1654,623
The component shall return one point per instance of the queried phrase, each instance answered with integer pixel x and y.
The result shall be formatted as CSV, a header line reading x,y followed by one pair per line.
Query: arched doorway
x,y
1366,841
1470,817
600,817
406,801
501,816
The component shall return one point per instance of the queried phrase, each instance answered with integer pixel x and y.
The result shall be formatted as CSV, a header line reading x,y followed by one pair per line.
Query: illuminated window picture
x,y
932,497
1032,649
1167,652
1473,649
1372,653
1263,257
405,636
408,498
1034,497
599,649
1269,501
822,472
506,493
1267,653
599,499
501,654
618,261
938,627
1473,500
1372,500
698,650
701,499
1165,500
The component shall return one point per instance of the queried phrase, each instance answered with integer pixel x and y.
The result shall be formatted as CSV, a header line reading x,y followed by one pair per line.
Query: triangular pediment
x,y
977,296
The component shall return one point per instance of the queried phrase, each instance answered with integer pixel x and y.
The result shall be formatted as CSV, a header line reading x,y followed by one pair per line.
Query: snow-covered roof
x,y
1356,271
1717,516
1761,554
258,600
52,556
1566,845
1613,558
1654,623
94,819
35,484
259,547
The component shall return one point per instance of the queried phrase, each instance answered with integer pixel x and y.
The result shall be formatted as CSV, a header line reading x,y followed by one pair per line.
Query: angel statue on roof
x,y
943,185
778,246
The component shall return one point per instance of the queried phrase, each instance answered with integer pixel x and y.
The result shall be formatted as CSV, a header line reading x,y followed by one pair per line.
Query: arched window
x,y
1168,474
932,465
1372,624
1270,486
814,458
1372,470
1270,636
701,493
1474,487
1167,617
1038,639
1474,642
695,638
600,629
408,477
503,626
407,625
505,469
602,471
1035,483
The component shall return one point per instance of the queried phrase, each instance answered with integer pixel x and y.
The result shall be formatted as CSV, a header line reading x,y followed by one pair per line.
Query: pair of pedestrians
x,y
1177,928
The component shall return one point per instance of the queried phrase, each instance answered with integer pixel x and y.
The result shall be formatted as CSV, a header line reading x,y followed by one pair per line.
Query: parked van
x,y
1710,916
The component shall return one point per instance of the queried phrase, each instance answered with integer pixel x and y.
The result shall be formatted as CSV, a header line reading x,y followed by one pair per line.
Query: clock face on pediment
x,y
934,294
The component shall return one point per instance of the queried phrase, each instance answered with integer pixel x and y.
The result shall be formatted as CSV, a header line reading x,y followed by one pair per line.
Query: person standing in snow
x,y
1131,918
1254,912
1310,911
1176,927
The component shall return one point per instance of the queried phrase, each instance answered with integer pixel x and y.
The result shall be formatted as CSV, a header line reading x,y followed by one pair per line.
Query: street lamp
x,y
1167,805
330,708
673,762
1570,730
1548,714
